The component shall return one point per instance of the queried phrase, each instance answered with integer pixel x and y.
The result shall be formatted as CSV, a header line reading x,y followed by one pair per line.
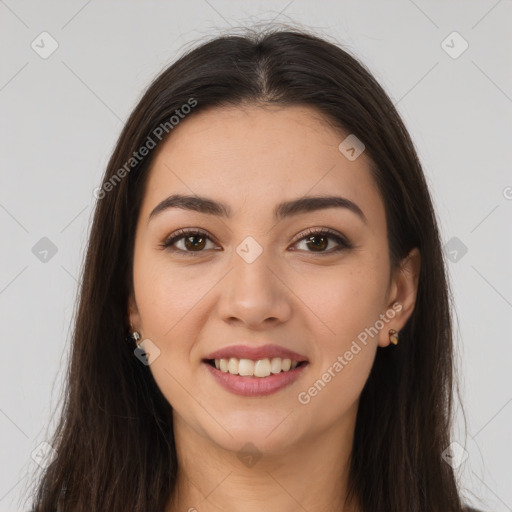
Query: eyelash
x,y
184,233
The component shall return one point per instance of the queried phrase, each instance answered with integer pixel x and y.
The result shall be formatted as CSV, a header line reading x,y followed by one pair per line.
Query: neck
x,y
310,476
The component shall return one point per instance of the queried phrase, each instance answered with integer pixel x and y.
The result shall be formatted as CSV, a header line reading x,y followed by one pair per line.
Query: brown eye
x,y
199,242
194,241
317,241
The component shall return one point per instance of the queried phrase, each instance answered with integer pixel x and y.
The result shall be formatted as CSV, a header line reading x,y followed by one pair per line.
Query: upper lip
x,y
255,353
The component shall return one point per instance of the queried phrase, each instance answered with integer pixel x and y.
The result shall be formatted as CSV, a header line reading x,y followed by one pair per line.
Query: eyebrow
x,y
283,210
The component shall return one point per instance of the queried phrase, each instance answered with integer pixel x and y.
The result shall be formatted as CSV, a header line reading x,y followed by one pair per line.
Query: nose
x,y
255,294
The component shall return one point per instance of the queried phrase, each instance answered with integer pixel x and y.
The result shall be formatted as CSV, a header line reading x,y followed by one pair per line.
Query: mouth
x,y
255,378
260,368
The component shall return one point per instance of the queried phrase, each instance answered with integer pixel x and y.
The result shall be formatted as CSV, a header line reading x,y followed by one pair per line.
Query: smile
x,y
259,368
255,378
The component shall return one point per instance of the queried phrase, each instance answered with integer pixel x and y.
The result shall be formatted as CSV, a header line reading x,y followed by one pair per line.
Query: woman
x,y
264,317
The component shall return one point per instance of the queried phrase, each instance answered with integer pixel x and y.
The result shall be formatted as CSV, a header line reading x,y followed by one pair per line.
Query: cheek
x,y
168,300
335,390
167,294
348,306
345,301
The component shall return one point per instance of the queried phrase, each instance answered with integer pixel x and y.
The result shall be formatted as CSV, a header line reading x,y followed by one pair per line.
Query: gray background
x,y
62,115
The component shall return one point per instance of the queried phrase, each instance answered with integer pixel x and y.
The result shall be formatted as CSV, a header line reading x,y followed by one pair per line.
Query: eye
x,y
195,241
318,240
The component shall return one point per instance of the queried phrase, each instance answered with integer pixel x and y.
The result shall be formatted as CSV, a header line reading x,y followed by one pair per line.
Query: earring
x,y
134,335
393,336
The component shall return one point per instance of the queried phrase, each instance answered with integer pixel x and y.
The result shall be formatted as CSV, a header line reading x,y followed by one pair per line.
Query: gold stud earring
x,y
393,336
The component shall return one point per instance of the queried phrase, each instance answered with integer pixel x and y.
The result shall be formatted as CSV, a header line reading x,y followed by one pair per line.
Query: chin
x,y
267,433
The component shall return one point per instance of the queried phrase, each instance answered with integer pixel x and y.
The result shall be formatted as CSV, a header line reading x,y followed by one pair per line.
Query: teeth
x,y
262,368
245,367
259,368
275,365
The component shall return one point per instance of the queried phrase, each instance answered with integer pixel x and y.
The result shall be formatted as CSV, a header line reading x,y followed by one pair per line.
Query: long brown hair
x,y
114,441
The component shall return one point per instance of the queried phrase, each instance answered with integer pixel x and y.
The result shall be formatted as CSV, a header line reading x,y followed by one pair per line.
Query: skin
x,y
252,158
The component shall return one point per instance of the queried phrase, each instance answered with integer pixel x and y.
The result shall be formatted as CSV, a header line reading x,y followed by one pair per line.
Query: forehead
x,y
261,156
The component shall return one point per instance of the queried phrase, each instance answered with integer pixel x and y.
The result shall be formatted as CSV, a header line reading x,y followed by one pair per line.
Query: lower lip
x,y
256,386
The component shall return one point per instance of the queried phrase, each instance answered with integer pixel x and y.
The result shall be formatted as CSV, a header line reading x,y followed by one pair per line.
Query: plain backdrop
x,y
61,116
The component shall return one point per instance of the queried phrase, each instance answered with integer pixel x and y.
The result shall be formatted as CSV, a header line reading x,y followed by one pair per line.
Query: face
x,y
251,278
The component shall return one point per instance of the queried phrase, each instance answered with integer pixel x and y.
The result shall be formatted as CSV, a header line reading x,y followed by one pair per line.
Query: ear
x,y
133,314
402,295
